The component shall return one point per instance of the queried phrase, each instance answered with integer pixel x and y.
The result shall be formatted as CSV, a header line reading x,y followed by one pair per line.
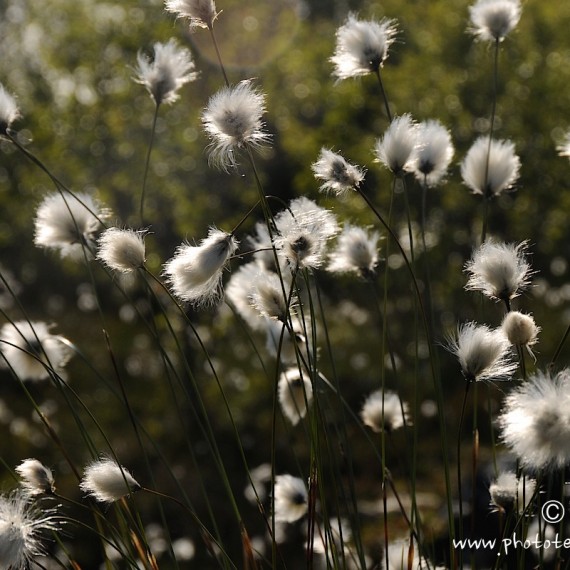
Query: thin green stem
x,y
147,162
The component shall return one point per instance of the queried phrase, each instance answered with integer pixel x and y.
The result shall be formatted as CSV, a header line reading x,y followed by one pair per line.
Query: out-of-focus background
x,y
71,63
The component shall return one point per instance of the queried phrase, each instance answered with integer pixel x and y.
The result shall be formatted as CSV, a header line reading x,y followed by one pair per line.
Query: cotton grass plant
x,y
301,355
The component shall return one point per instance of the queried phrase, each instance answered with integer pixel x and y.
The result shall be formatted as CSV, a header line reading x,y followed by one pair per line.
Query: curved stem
x,y
218,55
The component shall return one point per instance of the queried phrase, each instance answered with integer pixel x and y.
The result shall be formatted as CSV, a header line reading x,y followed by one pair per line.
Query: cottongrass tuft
x,y
490,170
362,46
338,176
355,252
23,529
493,20
291,498
107,481
69,224
232,120
9,111
499,270
304,231
195,272
201,13
122,250
385,412
434,152
397,149
535,421
520,329
483,353
170,69
31,351
295,394
37,479
510,493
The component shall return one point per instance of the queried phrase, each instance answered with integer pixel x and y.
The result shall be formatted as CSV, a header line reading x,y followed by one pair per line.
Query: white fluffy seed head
x,y
493,20
31,351
295,394
232,120
483,353
23,529
167,72
385,412
356,252
489,169
304,231
510,493
535,421
9,111
69,224
37,479
107,481
122,250
337,175
520,329
201,13
362,46
268,296
290,497
499,270
195,272
434,152
397,149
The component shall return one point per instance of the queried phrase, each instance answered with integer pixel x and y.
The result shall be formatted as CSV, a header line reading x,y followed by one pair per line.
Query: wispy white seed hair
x,y
122,250
164,75
499,270
564,147
195,272
232,120
385,412
362,46
238,293
37,479
23,529
304,231
510,493
287,342
262,245
31,351
337,537
520,329
107,481
493,20
9,111
269,296
291,498
397,149
356,252
535,421
295,394
201,13
69,224
337,175
483,353
434,152
490,169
